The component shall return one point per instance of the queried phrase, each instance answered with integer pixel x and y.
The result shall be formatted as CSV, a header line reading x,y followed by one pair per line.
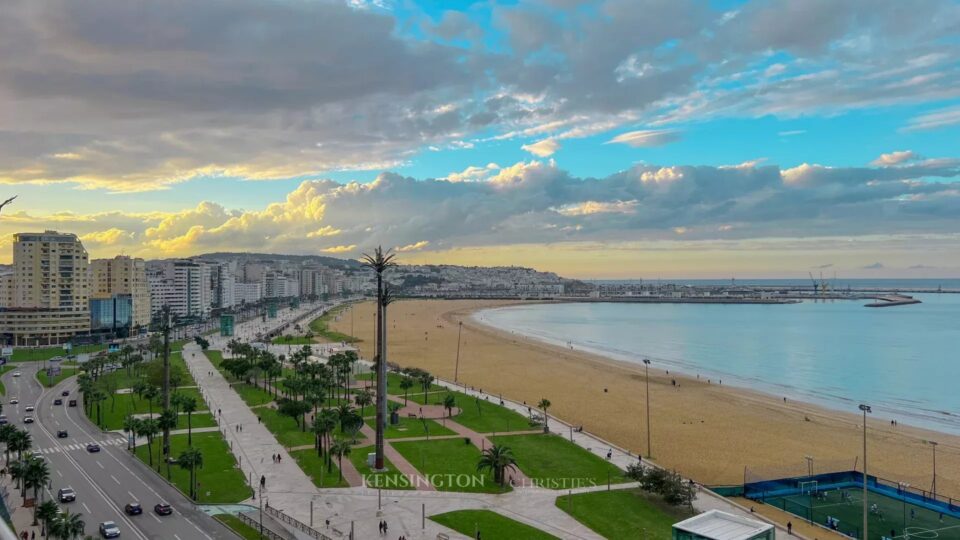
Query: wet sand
x,y
706,431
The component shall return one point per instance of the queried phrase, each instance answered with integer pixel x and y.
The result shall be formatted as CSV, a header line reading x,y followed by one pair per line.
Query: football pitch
x,y
888,517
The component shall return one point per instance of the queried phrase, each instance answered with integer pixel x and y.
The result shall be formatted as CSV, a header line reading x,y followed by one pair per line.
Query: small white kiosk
x,y
717,525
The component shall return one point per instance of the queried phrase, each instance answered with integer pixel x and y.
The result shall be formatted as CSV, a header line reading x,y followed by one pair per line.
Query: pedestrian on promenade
x,y
263,481
790,527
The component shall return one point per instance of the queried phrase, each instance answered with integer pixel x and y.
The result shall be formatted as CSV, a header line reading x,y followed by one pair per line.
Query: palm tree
x,y
328,422
131,425
67,526
497,459
340,448
449,402
363,398
6,431
20,441
426,380
149,429
151,392
46,512
379,262
18,471
189,406
189,460
37,476
406,383
166,422
544,405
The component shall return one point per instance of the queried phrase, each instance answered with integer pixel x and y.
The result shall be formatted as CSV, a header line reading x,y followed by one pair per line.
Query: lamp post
x,y
456,369
865,409
646,369
933,488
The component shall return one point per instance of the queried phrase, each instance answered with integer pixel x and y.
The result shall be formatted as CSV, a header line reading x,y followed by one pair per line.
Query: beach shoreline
x,y
714,433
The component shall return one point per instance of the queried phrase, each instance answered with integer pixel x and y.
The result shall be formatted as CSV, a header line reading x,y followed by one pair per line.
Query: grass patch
x,y
252,395
491,525
393,384
320,326
114,409
55,380
623,513
4,369
558,463
220,476
389,479
237,525
444,457
284,428
293,340
314,467
45,353
411,427
481,415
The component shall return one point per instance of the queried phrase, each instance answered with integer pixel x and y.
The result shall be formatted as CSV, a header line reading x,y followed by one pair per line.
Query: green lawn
x,y
623,513
491,525
412,427
389,479
319,326
4,369
393,385
293,340
53,381
314,467
557,463
220,476
252,395
239,527
284,428
23,354
114,410
443,457
481,415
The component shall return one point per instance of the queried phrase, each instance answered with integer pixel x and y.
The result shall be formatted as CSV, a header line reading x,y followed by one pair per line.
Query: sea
x,y
904,361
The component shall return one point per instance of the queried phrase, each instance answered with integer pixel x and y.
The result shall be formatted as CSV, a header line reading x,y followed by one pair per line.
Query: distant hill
x,y
333,262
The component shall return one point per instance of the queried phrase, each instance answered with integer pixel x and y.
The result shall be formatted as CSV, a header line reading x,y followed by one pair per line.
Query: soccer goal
x,y
808,487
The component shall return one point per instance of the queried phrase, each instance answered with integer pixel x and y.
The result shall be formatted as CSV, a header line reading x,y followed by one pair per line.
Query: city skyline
x,y
592,139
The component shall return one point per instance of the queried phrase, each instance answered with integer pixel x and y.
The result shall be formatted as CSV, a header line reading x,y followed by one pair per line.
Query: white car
x,y
29,408
16,373
14,401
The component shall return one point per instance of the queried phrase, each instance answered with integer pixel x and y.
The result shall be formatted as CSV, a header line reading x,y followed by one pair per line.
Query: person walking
x,y
790,527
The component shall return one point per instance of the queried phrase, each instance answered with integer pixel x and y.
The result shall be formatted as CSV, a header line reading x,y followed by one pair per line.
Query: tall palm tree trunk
x,y
381,374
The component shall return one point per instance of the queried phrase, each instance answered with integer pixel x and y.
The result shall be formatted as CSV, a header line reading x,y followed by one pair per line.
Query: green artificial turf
x,y
490,525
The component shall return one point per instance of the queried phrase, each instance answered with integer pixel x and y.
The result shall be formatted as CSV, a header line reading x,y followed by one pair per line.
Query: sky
x,y
593,138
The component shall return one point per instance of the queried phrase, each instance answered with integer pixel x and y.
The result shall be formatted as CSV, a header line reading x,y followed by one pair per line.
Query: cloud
x,y
646,138
473,173
544,148
339,249
108,237
823,266
413,247
894,158
949,116
791,133
922,267
594,207
874,266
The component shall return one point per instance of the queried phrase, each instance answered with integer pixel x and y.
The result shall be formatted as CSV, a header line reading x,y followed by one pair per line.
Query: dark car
x,y
109,529
73,403
65,393
93,447
3,419
62,434
163,509
58,401
66,495
133,509
28,420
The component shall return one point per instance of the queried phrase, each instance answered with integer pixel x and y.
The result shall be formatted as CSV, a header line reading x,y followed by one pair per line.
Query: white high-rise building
x,y
247,293
49,292
182,285
123,275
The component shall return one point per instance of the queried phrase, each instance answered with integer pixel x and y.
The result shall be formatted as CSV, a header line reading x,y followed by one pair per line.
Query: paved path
x,y
419,481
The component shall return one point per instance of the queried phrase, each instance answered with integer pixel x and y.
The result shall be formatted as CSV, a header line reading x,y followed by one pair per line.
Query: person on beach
x,y
790,527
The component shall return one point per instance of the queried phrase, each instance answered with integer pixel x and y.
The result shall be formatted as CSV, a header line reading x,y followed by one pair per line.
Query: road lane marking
x,y
115,479
132,496
85,507
156,518
198,528
100,464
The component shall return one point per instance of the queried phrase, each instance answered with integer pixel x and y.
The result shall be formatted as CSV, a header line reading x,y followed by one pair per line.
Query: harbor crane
x,y
816,286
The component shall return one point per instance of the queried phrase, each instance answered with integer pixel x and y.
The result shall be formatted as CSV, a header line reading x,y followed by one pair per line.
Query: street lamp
x,y
933,488
646,369
865,409
456,369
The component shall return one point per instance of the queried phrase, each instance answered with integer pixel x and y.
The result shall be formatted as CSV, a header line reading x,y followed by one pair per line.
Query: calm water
x,y
902,360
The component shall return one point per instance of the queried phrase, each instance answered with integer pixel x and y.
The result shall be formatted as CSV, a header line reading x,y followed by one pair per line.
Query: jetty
x,y
893,300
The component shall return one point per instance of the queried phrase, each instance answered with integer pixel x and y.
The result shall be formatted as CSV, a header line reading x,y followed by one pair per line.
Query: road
x,y
104,481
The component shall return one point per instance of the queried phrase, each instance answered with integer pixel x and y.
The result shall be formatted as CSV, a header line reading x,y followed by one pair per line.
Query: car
x,y
16,373
58,401
29,408
27,419
14,401
73,403
163,509
66,494
65,393
109,529
62,434
3,419
93,447
133,509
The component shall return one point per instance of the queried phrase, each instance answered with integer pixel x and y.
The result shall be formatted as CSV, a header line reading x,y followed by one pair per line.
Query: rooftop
x,y
719,525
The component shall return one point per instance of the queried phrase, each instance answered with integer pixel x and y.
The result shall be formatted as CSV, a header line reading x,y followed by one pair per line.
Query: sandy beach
x,y
706,431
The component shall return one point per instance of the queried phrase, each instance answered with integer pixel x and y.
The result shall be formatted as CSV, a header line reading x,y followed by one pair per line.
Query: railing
x,y
300,526
253,523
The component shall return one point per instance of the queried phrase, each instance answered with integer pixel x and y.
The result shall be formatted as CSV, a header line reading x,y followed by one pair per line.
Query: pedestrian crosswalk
x,y
78,446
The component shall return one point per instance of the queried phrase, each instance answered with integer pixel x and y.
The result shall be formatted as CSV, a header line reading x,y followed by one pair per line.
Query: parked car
x,y
109,529
62,434
66,494
58,401
93,447
133,509
163,509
